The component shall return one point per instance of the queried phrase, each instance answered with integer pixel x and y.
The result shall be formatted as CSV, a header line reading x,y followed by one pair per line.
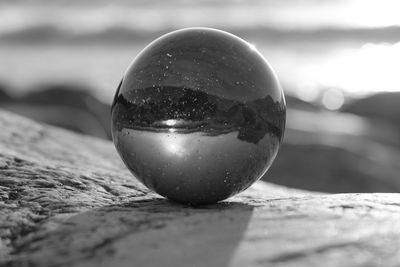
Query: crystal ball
x,y
198,116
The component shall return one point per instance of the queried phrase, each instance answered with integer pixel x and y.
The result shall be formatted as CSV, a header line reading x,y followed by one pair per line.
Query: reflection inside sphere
x,y
187,110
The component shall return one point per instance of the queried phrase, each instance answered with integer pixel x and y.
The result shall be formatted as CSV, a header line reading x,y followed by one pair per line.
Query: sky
x,y
154,15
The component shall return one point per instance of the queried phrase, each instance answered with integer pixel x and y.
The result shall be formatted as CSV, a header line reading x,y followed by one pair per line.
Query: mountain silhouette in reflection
x,y
194,111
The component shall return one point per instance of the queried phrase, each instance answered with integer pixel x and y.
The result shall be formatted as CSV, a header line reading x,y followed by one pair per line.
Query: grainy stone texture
x,y
67,200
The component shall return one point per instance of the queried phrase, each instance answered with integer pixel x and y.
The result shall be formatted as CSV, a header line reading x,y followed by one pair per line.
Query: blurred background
x,y
338,62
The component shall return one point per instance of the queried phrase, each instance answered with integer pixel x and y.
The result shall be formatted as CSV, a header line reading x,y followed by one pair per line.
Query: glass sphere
x,y
198,116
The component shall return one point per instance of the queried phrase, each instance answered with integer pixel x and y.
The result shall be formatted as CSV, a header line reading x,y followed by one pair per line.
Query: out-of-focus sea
x,y
322,51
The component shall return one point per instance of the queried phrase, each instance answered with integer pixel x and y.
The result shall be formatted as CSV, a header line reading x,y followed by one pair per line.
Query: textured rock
x,y
67,200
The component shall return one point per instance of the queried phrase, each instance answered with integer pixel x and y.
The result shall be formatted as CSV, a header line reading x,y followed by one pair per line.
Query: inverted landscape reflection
x,y
184,110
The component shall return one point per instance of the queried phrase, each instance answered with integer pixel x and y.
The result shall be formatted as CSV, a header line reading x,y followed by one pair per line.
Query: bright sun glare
x,y
371,68
374,67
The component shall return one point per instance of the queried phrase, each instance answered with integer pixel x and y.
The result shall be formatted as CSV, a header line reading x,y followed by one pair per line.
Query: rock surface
x,y
67,200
